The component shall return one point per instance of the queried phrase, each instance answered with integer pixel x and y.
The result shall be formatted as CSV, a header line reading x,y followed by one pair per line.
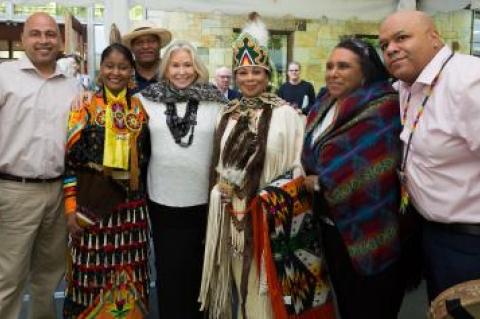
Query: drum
x,y
461,301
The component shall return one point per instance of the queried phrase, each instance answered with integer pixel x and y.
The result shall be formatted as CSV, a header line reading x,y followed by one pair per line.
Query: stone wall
x,y
456,29
312,40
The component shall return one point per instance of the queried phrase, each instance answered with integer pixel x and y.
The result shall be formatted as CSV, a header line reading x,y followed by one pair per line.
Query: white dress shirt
x,y
443,167
178,176
33,119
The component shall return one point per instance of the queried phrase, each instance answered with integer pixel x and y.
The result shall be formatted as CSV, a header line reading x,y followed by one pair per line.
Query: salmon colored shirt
x,y
443,167
33,119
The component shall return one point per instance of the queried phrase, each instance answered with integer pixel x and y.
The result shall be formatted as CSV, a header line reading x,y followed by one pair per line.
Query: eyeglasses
x,y
293,70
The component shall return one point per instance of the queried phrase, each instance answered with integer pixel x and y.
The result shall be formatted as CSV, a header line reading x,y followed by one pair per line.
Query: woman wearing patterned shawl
x,y
351,152
105,200
182,109
258,138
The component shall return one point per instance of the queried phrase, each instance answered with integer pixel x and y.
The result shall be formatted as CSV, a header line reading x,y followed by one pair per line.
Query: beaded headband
x,y
250,48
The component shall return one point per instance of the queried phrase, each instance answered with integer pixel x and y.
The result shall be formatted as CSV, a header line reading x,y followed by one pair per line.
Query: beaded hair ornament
x,y
250,48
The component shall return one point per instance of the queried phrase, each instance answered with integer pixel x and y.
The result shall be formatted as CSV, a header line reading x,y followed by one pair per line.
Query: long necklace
x,y
180,126
404,196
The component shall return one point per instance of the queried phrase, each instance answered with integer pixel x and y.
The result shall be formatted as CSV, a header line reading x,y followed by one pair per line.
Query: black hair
x,y
372,67
120,48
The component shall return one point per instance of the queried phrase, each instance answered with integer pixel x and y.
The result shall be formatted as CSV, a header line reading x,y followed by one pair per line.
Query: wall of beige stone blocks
x,y
456,29
313,40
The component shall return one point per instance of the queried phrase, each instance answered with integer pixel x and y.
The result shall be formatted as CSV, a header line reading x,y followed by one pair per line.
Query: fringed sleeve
x,y
284,145
77,120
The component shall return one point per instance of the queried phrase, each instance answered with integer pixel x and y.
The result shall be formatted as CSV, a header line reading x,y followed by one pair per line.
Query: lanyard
x,y
420,112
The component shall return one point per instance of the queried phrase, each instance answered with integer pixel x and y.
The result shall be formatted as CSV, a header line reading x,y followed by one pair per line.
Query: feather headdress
x,y
250,48
115,36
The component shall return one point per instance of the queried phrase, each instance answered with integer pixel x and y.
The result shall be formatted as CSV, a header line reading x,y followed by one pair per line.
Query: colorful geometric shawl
x,y
356,160
288,236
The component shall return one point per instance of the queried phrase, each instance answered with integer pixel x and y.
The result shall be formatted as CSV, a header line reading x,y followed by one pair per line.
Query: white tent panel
x,y
308,9
72,3
433,6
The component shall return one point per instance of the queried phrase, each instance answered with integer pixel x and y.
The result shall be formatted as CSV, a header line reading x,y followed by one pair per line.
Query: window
x,y
136,13
3,8
10,50
51,8
475,47
98,11
24,10
4,50
279,49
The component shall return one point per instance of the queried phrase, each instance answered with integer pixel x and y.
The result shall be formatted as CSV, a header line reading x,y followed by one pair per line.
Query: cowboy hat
x,y
146,27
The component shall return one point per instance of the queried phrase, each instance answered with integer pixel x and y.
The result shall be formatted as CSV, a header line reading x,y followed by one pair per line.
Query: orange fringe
x,y
261,244
70,205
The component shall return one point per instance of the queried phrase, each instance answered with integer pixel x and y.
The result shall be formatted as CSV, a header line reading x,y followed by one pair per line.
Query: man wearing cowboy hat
x,y
145,40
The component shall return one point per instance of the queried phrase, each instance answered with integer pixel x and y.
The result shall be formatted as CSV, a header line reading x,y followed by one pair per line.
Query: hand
x,y
80,100
311,183
73,228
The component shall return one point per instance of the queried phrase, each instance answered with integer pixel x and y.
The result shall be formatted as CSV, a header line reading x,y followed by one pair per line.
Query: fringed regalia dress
x,y
107,148
257,140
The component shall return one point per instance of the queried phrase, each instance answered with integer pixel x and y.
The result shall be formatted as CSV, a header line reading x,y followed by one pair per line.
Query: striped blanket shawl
x,y
356,160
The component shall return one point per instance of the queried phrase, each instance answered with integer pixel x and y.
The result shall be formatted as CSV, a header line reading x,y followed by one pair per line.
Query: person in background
x,y
439,105
351,153
35,97
223,79
182,109
71,64
297,92
145,40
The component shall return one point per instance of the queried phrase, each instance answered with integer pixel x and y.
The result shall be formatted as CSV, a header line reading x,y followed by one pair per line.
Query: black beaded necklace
x,y
180,126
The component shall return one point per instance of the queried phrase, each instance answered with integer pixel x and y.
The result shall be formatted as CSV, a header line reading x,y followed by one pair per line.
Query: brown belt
x,y
14,178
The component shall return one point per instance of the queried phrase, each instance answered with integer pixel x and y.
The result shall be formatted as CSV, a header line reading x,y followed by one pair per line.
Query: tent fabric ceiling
x,y
306,9
433,6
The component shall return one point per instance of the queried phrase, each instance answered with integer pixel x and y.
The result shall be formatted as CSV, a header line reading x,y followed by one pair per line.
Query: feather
x,y
256,28
115,36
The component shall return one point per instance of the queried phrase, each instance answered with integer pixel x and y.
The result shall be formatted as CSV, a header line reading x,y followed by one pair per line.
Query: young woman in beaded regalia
x,y
258,138
105,198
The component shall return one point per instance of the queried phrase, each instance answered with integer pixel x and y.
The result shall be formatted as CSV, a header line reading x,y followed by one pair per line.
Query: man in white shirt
x,y
35,98
440,107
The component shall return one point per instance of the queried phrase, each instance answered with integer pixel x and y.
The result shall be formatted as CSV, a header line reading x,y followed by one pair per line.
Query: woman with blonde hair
x,y
182,108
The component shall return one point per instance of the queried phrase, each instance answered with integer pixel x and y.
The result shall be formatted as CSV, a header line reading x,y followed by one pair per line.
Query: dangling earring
x,y
131,84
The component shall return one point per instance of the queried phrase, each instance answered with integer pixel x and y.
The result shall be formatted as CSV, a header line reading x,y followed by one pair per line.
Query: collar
x,y
433,67
111,97
140,78
257,102
26,64
162,92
